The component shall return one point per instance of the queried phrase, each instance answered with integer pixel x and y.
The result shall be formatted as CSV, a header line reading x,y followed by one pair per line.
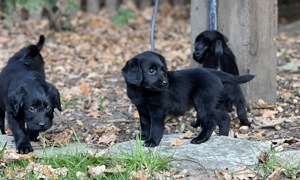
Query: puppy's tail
x,y
40,43
227,78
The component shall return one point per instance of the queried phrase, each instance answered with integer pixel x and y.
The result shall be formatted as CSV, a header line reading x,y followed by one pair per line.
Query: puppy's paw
x,y
24,148
150,143
195,124
245,122
145,136
197,141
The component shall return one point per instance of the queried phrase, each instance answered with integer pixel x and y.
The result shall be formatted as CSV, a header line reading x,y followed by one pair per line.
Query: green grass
x,y
273,163
135,160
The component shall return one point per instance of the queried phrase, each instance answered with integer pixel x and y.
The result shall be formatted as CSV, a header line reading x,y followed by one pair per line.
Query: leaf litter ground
x,y
85,65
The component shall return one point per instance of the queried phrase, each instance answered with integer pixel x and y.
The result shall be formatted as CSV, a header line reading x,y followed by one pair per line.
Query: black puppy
x,y
212,51
157,93
26,97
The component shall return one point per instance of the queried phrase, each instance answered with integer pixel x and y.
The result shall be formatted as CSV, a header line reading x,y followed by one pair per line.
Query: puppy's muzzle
x,y
197,54
164,83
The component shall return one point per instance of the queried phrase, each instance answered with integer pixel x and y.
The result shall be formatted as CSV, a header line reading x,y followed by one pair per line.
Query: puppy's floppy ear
x,y
15,99
218,49
54,96
224,38
162,59
132,72
40,44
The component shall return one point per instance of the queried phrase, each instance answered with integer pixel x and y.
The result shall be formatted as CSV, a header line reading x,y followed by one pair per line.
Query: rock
x,y
289,159
70,149
218,153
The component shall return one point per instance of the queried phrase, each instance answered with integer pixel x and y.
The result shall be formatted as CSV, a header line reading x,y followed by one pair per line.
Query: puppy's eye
x,y
152,71
31,109
48,108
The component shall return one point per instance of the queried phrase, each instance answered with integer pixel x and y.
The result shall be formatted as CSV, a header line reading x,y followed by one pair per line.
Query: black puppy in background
x,y
158,93
26,98
212,51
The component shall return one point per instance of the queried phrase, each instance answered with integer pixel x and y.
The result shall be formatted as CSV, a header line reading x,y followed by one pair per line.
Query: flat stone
x,y
70,149
218,153
289,159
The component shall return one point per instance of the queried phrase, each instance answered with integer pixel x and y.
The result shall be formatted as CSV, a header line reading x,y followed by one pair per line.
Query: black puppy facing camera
x,y
26,97
158,93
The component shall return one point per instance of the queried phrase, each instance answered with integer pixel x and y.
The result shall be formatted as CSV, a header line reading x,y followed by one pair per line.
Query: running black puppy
x,y
157,93
26,97
212,51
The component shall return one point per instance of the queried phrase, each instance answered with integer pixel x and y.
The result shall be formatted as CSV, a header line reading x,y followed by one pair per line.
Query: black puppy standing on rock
x,y
158,93
26,97
212,51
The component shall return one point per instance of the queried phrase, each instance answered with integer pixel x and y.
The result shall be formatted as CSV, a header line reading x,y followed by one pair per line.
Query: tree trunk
x,y
112,5
92,6
251,27
144,4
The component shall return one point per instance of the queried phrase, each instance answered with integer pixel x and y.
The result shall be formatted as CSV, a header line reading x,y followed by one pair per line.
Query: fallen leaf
x,y
63,138
176,142
95,171
140,175
80,175
186,135
12,155
259,133
85,88
117,169
222,175
94,114
291,141
269,114
107,138
260,122
136,115
275,175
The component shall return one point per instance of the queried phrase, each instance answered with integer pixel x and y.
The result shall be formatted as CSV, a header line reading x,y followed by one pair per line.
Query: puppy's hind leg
x,y
223,121
206,118
239,103
208,125
242,113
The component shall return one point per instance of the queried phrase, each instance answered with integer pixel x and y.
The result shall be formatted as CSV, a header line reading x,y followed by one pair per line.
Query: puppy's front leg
x,y
157,127
2,122
20,136
145,121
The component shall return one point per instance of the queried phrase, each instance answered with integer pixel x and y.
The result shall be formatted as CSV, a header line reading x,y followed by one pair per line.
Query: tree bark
x,y
92,6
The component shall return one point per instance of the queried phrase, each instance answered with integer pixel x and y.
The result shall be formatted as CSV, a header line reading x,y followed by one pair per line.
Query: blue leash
x,y
153,25
213,23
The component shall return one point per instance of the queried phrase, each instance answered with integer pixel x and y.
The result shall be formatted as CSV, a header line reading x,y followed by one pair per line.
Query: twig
x,y
117,120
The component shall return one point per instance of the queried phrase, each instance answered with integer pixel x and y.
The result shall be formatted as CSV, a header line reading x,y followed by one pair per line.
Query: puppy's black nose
x,y
164,83
42,124
197,54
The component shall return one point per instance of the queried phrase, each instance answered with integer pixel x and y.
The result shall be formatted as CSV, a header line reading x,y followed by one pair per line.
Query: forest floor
x,y
85,65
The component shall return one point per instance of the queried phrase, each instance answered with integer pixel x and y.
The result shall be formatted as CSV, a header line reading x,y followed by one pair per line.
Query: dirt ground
x,y
85,65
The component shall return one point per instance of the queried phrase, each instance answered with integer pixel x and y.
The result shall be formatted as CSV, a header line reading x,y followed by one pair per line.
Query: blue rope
x,y
153,25
213,23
